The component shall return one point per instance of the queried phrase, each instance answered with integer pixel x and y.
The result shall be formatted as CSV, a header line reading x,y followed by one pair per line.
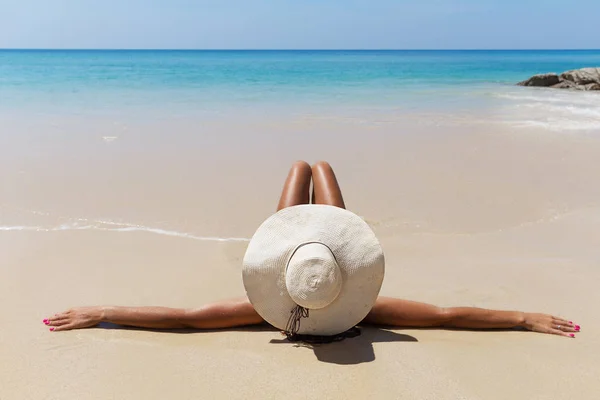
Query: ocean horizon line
x,y
295,50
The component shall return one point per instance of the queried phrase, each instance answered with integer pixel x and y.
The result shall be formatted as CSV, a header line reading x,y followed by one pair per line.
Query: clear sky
x,y
300,24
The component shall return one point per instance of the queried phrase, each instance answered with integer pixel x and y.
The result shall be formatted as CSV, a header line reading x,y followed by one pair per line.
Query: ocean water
x,y
67,142
200,83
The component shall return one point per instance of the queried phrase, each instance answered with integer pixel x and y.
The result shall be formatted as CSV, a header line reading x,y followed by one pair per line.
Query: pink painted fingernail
x,y
51,329
46,321
571,322
572,335
577,327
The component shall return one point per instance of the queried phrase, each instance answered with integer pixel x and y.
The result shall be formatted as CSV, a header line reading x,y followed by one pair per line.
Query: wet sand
x,y
467,215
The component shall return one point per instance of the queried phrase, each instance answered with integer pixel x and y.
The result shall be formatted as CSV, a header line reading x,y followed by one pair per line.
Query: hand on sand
x,y
75,318
545,323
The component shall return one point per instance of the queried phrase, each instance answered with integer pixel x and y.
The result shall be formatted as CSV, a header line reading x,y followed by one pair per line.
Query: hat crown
x,y
313,277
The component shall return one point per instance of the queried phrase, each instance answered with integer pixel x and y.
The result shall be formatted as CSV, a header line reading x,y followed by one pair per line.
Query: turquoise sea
x,y
108,82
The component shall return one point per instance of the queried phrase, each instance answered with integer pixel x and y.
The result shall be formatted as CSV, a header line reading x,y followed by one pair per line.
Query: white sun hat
x,y
323,262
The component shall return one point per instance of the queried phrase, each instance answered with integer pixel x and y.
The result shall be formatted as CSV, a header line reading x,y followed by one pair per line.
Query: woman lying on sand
x,y
312,270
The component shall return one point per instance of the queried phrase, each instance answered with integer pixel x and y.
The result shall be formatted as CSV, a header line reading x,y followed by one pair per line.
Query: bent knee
x,y
301,165
321,165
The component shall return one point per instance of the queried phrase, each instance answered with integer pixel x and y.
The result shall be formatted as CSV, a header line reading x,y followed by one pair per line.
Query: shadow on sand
x,y
354,350
250,328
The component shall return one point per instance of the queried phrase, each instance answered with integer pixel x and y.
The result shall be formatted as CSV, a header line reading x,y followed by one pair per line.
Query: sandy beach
x,y
467,214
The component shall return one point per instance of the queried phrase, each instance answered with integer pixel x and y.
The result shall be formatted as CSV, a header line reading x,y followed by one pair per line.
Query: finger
x,y
558,322
64,327
59,322
568,328
565,323
560,333
562,321
52,321
564,328
58,316
55,320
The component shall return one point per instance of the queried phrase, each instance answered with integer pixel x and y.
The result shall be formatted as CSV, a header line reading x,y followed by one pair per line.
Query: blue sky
x,y
299,24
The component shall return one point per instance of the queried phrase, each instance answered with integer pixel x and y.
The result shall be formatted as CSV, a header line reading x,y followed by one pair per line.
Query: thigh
x,y
297,186
326,189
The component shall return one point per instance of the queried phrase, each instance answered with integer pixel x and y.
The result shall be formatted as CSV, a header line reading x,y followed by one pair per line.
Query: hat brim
x,y
354,245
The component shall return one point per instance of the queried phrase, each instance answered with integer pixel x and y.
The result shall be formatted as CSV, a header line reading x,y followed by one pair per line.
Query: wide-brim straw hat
x,y
322,258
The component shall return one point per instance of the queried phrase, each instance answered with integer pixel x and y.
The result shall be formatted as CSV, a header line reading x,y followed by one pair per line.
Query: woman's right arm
x,y
226,314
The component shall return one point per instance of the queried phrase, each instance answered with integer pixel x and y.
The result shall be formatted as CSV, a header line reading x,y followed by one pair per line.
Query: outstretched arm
x,y
226,314
404,313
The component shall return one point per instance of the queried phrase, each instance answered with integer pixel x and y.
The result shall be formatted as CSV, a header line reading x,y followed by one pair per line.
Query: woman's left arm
x,y
405,313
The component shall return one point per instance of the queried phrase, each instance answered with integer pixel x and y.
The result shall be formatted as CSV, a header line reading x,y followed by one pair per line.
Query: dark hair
x,y
293,326
319,339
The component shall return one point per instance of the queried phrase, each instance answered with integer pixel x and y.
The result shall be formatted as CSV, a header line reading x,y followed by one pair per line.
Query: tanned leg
x,y
326,189
297,186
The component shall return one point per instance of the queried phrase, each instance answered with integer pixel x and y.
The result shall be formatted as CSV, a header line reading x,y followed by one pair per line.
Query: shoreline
x,y
156,209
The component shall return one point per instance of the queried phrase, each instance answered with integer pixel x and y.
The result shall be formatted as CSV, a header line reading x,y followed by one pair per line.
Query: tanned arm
x,y
225,314
387,311
405,313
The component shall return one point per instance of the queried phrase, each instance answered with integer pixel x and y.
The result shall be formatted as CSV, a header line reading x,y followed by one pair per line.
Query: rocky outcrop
x,y
565,85
584,76
579,79
541,80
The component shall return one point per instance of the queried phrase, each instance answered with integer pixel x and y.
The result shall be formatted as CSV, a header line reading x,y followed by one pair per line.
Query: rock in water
x,y
584,76
541,80
579,79
564,85
594,86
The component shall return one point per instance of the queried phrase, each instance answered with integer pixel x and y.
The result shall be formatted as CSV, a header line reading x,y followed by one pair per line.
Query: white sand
x,y
503,220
